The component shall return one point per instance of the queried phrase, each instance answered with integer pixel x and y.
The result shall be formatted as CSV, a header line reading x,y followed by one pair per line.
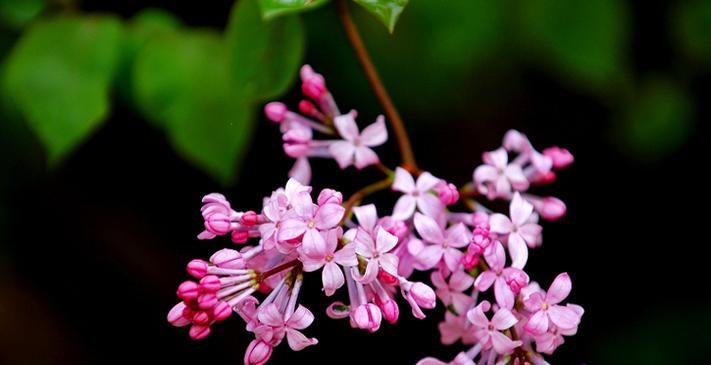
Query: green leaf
x,y
59,75
274,8
387,11
692,19
179,80
142,28
658,122
17,13
264,57
582,39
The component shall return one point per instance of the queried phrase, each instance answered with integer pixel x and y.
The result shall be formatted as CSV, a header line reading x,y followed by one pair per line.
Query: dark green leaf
x,y
180,83
692,21
274,8
59,75
582,39
659,121
264,56
17,13
387,11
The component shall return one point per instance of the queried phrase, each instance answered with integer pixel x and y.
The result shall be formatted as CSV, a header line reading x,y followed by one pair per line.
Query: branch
x,y
408,157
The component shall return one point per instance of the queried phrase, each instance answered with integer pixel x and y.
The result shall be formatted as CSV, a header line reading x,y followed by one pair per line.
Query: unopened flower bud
x,y
275,111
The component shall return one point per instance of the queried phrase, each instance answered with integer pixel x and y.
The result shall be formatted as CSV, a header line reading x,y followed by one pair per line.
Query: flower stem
x,y
277,269
408,157
362,193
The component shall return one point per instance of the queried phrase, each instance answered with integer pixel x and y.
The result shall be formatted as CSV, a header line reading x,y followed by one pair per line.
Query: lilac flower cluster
x,y
476,258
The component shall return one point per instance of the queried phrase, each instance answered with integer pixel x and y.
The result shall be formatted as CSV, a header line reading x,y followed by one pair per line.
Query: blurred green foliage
x,y
59,76
203,88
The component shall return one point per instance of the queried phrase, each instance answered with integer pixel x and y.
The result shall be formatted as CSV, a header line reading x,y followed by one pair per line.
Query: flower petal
x,y
343,152
375,134
297,341
328,215
403,181
389,263
290,229
457,235
365,156
384,241
367,216
371,273
404,207
538,323
365,246
518,251
503,294
452,258
484,280
332,278
430,256
270,315
346,126
301,318
563,317
502,343
426,182
520,210
503,319
499,223
313,243
346,255
428,229
559,289
460,281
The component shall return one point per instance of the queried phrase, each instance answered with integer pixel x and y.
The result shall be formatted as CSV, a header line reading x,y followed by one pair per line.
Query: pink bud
x,y
447,192
471,259
275,111
249,218
552,209
561,157
228,258
202,318
175,316
295,150
198,332
188,313
218,223
367,317
197,268
313,85
210,284
221,311
240,236
390,310
396,228
386,277
545,179
329,196
258,352
188,290
308,108
515,141
516,279
424,295
207,301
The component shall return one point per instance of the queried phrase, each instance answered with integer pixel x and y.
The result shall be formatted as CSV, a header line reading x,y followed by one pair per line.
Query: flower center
x,y
311,224
329,258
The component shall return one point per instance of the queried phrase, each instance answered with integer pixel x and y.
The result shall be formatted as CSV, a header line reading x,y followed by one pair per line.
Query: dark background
x,y
92,251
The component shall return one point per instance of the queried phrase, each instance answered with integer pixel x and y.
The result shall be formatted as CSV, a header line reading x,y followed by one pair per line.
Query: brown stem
x,y
362,193
408,157
278,269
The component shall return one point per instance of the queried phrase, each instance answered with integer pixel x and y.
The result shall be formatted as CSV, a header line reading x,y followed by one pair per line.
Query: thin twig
x,y
408,157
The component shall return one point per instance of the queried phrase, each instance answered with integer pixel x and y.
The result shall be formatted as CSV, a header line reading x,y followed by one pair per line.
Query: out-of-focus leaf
x,y
59,75
274,8
180,83
582,39
264,56
692,21
17,13
142,28
659,121
387,11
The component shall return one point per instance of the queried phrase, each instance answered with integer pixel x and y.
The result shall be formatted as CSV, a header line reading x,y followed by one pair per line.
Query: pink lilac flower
x,y
329,259
549,341
507,281
354,149
418,295
497,177
451,293
289,324
309,219
377,252
550,208
416,195
546,310
560,157
520,231
489,332
455,328
443,244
